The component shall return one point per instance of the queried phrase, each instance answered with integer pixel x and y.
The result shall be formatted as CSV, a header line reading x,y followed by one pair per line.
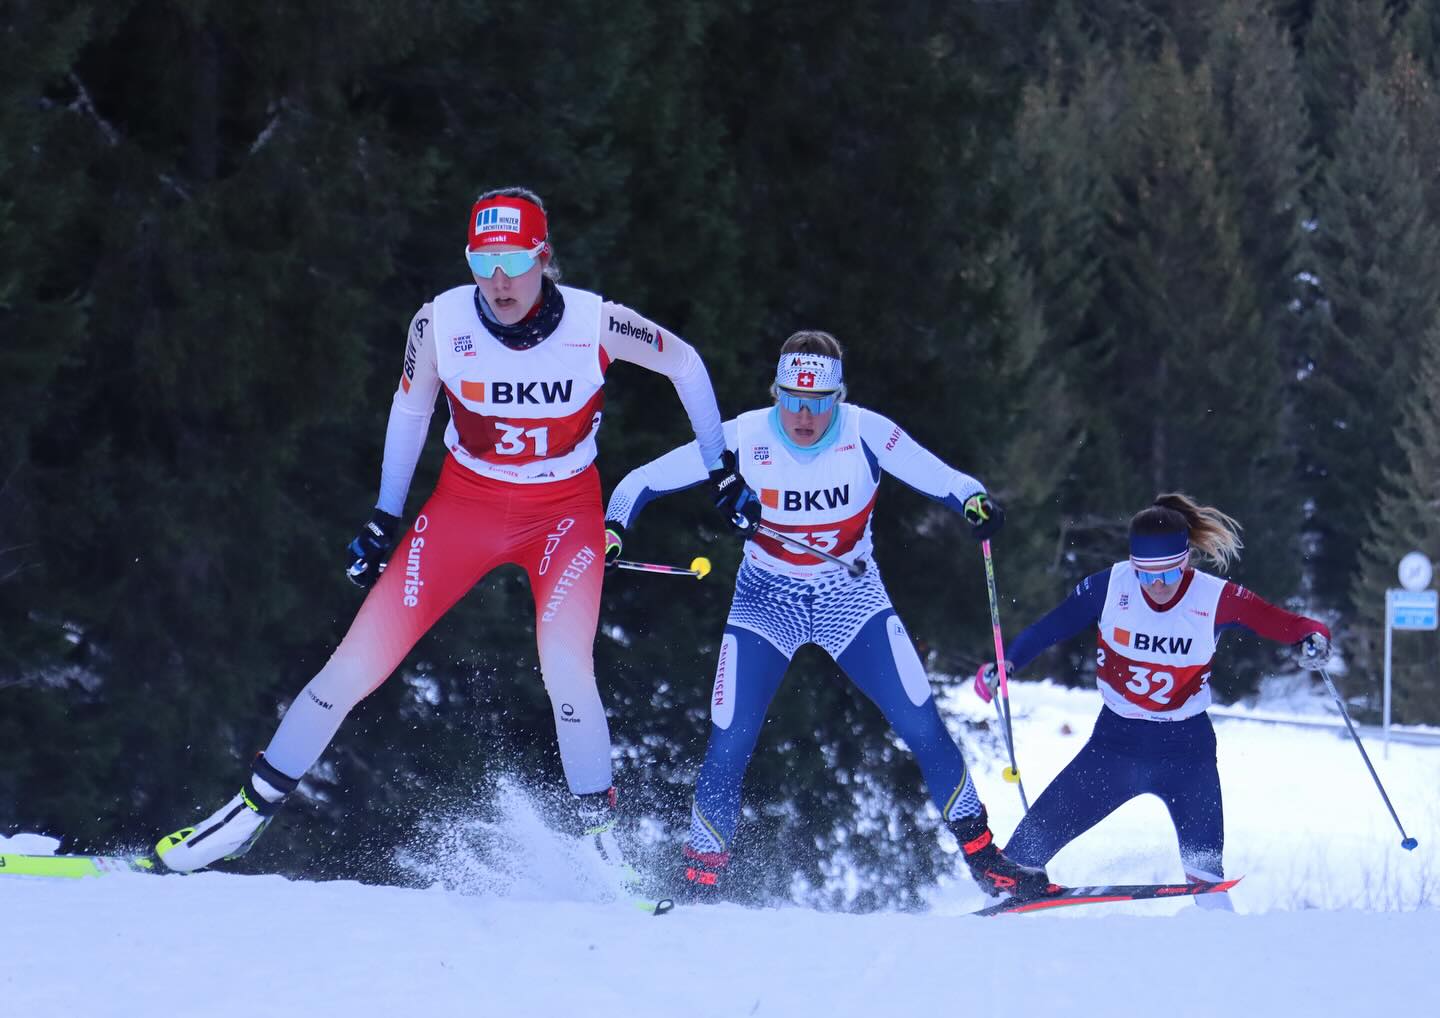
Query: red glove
x,y
987,679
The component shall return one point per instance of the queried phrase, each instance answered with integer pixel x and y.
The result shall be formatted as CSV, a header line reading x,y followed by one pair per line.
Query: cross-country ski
x,y
75,866
1063,897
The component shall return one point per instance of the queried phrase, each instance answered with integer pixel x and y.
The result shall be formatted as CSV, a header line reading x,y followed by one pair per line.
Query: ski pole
x,y
1406,842
699,568
855,568
1011,773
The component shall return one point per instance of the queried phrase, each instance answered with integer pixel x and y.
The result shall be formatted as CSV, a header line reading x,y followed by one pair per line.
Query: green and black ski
x,y
72,866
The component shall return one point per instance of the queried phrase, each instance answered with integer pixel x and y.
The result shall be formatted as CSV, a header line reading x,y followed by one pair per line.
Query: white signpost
x,y
1414,607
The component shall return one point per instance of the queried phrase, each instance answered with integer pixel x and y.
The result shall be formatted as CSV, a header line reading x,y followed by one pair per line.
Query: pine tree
x,y
41,208
1420,25
1054,278
1267,165
1406,518
234,239
1345,43
1417,101
1372,244
48,244
1186,370
1258,85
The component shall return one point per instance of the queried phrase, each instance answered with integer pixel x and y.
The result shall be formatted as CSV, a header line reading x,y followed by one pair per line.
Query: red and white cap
x,y
507,220
809,372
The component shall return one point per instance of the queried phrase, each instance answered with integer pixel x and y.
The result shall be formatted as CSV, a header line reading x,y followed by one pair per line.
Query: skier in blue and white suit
x,y
816,462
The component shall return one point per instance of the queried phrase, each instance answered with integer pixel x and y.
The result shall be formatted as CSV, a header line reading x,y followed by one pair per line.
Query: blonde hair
x,y
813,341
1212,533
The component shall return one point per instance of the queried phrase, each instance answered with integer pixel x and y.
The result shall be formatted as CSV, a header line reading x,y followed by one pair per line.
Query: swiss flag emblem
x,y
805,380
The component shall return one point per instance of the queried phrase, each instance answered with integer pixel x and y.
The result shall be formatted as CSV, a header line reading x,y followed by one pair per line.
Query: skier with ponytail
x,y
521,361
1159,619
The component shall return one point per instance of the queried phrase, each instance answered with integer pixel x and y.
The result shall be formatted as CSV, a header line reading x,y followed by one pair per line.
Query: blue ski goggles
x,y
1166,576
512,263
816,404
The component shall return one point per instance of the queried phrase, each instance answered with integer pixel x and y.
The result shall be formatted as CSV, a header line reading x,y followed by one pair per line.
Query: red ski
x,y
1065,896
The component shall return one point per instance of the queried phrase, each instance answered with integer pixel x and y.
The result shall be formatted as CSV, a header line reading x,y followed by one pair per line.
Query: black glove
x,y
614,541
733,496
371,548
1314,651
984,515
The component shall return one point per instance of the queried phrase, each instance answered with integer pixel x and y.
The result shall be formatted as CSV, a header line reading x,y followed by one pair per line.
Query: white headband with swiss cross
x,y
809,372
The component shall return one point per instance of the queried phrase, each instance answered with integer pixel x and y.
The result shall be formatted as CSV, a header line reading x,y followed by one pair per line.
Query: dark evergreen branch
x,y
83,104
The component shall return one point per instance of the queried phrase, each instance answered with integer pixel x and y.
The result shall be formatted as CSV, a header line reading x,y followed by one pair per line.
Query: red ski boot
x,y
997,875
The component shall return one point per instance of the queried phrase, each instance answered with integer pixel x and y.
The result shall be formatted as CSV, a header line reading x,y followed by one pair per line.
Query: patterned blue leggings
x,y
880,660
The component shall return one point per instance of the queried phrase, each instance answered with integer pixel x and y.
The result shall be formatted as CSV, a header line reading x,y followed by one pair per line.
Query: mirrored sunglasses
x,y
1167,576
512,263
816,404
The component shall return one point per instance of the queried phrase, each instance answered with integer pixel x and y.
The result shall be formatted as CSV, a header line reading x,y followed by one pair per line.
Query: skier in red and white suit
x,y
521,362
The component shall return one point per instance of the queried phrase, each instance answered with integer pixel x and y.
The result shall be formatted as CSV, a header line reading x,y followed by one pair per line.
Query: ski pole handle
x,y
854,568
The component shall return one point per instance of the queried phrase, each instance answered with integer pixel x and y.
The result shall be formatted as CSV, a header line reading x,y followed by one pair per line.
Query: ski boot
x,y
701,875
230,831
1215,902
597,815
997,875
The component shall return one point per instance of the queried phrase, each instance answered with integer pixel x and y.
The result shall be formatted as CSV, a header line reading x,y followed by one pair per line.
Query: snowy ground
x,y
1333,919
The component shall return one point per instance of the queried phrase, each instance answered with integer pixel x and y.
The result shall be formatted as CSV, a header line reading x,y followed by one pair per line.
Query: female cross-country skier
x,y
1159,620
816,462
521,361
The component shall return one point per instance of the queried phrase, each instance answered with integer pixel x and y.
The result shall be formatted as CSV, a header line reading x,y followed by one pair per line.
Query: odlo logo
x,y
806,501
552,541
413,582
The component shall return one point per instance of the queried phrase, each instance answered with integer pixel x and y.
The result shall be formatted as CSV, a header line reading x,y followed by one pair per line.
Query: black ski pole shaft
x,y
854,568
1406,842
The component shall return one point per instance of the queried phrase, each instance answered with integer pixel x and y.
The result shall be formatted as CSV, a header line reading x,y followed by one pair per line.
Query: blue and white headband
x,y
809,372
1155,553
